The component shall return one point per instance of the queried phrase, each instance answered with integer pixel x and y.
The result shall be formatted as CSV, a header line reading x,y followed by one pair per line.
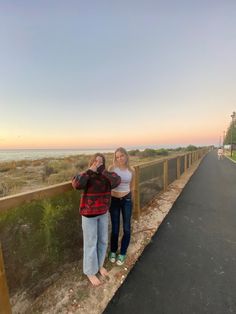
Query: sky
x,y
83,74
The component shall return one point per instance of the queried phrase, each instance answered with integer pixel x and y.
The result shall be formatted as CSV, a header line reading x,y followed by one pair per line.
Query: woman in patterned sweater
x,y
96,184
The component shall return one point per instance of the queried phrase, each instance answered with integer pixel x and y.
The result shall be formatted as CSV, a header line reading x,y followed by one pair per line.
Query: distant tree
x,y
231,130
134,152
162,152
149,152
190,148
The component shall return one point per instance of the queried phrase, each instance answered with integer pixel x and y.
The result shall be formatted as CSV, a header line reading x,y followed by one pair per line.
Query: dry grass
x,y
27,175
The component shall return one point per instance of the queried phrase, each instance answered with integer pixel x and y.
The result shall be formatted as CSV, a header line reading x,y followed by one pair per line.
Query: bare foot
x,y
103,272
94,280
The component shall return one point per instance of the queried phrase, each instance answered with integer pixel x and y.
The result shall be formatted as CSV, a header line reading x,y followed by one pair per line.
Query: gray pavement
x,y
190,265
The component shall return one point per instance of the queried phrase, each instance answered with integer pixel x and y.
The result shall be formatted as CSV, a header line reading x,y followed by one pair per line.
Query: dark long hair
x,y
93,158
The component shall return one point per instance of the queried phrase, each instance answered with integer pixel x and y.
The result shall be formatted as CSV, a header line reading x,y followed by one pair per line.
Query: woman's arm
x,y
112,177
80,181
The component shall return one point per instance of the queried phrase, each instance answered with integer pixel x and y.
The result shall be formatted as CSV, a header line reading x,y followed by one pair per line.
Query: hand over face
x,y
96,164
101,168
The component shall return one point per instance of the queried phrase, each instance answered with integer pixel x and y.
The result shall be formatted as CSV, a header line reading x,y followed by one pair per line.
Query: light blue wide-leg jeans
x,y
95,235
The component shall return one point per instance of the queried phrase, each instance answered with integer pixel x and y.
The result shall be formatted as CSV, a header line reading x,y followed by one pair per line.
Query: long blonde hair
x,y
122,150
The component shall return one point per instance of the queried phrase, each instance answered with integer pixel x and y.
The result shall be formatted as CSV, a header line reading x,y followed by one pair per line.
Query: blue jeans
x,y
124,206
95,235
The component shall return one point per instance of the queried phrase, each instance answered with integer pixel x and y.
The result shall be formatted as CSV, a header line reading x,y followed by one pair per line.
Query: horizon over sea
x,y
40,153
34,154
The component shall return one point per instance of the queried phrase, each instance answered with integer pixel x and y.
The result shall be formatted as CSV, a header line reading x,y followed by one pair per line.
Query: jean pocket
x,y
128,199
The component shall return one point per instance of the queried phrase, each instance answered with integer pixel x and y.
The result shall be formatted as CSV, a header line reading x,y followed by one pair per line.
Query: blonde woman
x,y
121,203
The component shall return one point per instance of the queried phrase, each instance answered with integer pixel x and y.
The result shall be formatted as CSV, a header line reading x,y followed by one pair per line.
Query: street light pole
x,y
231,134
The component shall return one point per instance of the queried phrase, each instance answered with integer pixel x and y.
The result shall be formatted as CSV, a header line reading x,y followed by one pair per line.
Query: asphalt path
x,y
190,265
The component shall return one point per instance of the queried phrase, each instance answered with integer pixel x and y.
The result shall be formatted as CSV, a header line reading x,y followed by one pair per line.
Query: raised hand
x,y
93,167
96,164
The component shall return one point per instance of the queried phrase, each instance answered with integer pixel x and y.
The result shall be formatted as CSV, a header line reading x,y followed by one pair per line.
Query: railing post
x,y
185,162
165,174
136,193
5,307
178,167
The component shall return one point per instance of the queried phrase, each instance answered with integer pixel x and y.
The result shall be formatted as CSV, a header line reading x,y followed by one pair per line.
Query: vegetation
x,y
191,148
234,155
26,175
38,238
230,136
41,238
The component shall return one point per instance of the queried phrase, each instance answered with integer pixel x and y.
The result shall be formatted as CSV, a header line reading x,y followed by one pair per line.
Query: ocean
x,y
34,154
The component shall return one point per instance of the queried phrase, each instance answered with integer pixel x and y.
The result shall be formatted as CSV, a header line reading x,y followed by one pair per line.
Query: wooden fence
x,y
7,203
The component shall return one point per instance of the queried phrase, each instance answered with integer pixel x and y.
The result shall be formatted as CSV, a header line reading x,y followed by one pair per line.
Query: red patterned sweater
x,y
96,197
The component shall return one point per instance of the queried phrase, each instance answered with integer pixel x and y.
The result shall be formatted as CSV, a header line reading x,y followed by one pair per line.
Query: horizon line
x,y
105,147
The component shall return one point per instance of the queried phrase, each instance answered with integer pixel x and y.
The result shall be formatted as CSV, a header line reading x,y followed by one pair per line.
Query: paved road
x,y
190,265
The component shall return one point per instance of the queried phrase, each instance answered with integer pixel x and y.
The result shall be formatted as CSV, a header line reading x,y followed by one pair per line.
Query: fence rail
x,y
150,179
9,202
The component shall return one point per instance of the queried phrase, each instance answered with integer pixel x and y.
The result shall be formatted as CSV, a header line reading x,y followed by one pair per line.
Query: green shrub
x,y
134,152
149,152
190,148
162,152
179,149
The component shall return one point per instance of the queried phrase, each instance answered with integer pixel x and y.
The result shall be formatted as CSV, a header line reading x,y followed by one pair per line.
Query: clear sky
x,y
101,73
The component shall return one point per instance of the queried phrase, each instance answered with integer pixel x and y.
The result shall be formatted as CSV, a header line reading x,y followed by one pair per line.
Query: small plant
x,y
60,177
48,170
4,189
81,164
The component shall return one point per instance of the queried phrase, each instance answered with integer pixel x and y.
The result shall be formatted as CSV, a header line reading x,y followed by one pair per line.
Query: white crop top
x,y
126,177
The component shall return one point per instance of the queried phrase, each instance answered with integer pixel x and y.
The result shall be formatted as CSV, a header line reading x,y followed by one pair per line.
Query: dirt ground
x,y
72,293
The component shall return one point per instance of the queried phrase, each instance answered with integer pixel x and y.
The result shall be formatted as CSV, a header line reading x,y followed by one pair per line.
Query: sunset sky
x,y
79,74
